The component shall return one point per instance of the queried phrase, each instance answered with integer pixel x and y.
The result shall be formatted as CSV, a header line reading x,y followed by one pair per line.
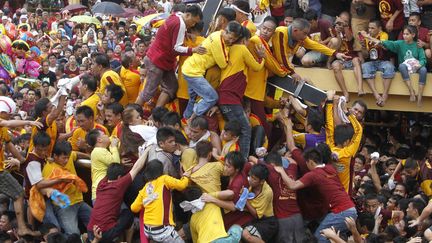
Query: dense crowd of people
x,y
155,132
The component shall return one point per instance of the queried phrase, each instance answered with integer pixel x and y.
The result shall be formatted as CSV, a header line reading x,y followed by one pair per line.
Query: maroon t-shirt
x,y
312,204
237,217
387,8
327,181
322,31
109,197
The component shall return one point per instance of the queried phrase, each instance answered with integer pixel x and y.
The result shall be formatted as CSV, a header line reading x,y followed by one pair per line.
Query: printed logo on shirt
x,y
408,55
339,167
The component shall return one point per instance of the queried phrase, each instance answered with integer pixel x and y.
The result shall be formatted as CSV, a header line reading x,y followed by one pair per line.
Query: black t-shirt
x,y
49,77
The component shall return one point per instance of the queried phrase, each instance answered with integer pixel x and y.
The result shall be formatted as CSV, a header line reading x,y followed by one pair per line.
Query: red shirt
x,y
312,204
31,157
327,181
169,36
284,200
109,197
387,8
237,217
231,90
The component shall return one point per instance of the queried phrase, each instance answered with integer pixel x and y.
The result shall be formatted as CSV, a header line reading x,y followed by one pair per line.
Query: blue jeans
x,y
335,220
403,69
199,86
234,235
369,69
237,113
68,217
50,216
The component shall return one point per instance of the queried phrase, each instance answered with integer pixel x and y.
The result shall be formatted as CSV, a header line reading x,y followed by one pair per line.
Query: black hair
x,y
360,157
179,7
271,19
310,15
273,158
242,5
126,61
158,113
325,152
180,138
227,13
4,237
45,228
415,14
10,215
418,204
41,139
115,107
314,155
368,188
260,171
153,169
236,159
171,119
86,111
192,193
41,106
56,237
362,104
92,136
235,28
315,119
198,27
233,127
114,171
377,23
343,133
199,122
90,81
194,10
203,149
410,163
366,219
103,60
116,92
164,133
62,148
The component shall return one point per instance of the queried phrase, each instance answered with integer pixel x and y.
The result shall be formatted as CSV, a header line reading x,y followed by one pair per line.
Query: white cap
x,y
7,105
24,16
4,17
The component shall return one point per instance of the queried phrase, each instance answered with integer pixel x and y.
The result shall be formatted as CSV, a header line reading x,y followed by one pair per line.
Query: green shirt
x,y
406,51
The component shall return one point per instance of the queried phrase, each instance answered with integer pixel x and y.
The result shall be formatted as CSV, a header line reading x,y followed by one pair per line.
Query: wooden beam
x,y
398,95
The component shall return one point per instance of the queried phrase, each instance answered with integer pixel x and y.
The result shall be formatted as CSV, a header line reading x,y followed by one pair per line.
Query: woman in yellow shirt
x,y
195,67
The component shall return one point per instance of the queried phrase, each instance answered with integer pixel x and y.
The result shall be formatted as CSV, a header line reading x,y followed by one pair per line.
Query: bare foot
x,y
26,231
419,102
347,97
380,102
360,93
412,98
384,97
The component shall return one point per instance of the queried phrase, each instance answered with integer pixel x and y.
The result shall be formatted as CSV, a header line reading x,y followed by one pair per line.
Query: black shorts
x,y
10,186
267,227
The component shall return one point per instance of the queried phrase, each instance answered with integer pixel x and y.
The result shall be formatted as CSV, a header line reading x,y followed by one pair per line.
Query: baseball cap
x,y
7,105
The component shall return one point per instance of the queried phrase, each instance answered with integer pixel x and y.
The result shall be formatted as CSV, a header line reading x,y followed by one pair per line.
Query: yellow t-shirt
x,y
74,194
92,102
188,159
182,91
101,158
50,129
217,54
263,203
207,225
208,177
112,77
132,82
155,214
4,138
81,133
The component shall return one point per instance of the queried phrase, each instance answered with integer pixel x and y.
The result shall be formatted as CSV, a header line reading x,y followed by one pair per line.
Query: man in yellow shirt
x,y
84,117
101,68
287,40
265,225
78,210
88,90
343,141
101,157
206,225
131,76
242,9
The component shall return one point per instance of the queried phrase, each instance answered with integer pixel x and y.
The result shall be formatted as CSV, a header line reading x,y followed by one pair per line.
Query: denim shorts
x,y
369,69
